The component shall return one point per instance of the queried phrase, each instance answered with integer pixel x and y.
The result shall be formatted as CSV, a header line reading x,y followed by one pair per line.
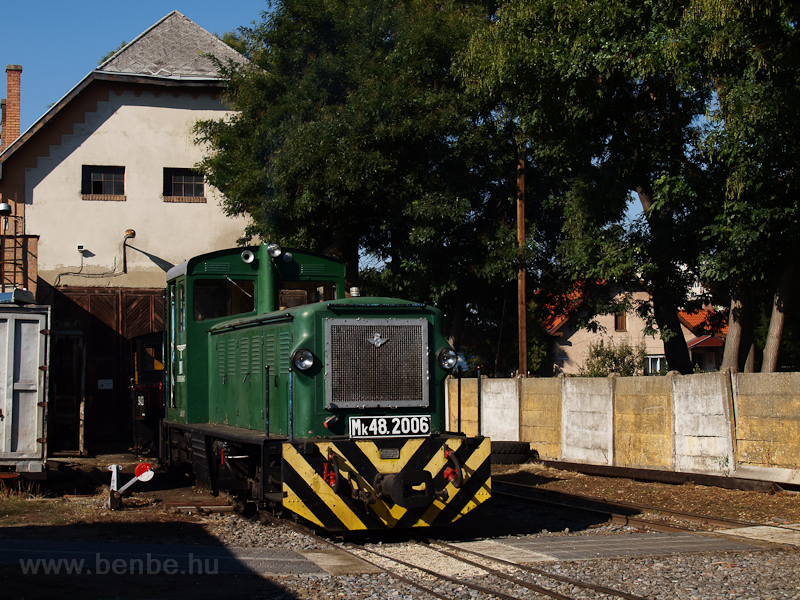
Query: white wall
x,y
587,421
144,134
702,421
500,414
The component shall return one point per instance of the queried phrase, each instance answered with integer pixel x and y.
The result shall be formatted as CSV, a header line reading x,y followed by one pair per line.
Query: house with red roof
x,y
704,330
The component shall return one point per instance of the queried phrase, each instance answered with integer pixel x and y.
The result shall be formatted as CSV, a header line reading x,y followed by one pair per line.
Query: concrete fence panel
x,y
540,415
767,425
642,422
587,421
500,409
703,423
741,424
469,405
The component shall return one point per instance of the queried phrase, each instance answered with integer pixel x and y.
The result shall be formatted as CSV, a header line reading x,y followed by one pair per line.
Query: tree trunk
x,y
665,308
739,353
345,250
459,307
666,314
778,319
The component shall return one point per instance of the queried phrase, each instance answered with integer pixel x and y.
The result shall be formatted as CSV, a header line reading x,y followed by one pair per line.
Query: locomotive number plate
x,y
405,426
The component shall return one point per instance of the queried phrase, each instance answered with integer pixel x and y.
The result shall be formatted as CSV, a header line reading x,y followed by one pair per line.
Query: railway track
x,y
507,580
442,570
445,571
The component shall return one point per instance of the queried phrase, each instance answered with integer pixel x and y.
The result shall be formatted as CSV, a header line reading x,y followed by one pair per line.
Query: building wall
x,y
572,346
587,423
465,399
501,420
703,414
145,132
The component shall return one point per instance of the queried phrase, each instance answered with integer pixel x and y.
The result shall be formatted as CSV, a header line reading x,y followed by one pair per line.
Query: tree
x,y
620,358
605,113
352,136
751,53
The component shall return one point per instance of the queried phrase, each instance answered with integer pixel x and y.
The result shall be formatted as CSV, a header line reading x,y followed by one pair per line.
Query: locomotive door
x,y
244,391
176,352
277,345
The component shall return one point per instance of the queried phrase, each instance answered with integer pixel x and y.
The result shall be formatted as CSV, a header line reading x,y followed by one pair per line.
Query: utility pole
x,y
521,308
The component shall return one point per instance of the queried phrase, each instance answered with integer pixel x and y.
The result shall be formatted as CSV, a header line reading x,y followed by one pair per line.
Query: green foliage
x,y
617,357
108,55
607,111
353,136
236,41
392,130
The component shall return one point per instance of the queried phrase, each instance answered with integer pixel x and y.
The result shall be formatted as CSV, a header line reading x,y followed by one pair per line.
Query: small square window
x,y
102,182
656,365
183,185
620,322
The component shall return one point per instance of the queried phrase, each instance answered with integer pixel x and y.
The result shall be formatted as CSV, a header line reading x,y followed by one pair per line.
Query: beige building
x,y
571,343
104,201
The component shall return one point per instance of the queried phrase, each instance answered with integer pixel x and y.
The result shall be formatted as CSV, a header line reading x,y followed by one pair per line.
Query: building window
x,y
183,185
215,298
656,365
103,183
620,322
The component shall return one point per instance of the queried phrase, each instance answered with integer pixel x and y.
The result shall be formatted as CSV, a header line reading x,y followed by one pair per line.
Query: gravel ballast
x,y
767,574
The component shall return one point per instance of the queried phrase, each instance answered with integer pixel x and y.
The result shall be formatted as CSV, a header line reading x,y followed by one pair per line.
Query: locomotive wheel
x,y
510,453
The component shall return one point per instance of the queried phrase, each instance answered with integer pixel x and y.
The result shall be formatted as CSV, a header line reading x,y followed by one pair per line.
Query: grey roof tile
x,y
175,47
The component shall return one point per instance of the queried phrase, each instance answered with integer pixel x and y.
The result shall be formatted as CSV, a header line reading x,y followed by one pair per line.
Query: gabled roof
x,y
171,52
174,47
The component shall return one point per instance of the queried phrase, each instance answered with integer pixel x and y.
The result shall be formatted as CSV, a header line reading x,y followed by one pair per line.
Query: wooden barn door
x,y
105,319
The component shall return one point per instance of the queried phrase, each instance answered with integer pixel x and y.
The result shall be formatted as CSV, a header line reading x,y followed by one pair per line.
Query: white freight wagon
x,y
24,365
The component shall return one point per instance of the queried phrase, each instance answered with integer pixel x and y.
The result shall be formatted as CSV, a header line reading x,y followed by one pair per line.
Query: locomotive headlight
x,y
303,359
274,250
447,358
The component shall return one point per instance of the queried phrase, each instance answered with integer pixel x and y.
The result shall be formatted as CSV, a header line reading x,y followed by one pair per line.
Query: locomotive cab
x,y
281,388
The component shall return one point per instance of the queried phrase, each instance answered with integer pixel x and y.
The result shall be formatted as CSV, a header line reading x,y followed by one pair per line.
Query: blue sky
x,y
58,42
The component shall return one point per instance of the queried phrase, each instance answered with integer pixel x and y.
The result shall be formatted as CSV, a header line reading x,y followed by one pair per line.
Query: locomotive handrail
x,y
252,322
419,305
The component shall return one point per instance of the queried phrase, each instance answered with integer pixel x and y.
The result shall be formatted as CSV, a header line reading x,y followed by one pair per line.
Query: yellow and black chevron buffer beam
x,y
386,483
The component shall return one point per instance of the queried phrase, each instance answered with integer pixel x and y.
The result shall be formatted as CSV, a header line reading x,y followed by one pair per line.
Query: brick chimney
x,y
11,107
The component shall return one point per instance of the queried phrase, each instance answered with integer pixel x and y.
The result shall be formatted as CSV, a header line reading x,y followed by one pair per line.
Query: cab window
x,y
215,298
298,293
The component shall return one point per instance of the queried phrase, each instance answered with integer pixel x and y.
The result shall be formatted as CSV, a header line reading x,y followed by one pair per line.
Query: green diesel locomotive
x,y
283,389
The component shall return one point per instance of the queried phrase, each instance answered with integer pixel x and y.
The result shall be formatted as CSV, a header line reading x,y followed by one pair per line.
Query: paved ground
x,y
606,546
120,558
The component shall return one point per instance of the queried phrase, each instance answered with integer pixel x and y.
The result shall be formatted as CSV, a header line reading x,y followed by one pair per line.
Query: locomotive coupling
x,y
409,489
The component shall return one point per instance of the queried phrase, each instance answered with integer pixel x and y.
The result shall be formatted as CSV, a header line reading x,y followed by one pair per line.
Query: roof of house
x,y
561,307
174,47
704,321
705,341
174,51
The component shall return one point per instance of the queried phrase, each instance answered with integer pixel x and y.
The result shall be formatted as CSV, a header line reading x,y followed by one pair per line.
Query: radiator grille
x,y
376,362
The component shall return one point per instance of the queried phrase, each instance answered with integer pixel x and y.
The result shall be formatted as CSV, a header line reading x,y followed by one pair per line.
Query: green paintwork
x,y
236,370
